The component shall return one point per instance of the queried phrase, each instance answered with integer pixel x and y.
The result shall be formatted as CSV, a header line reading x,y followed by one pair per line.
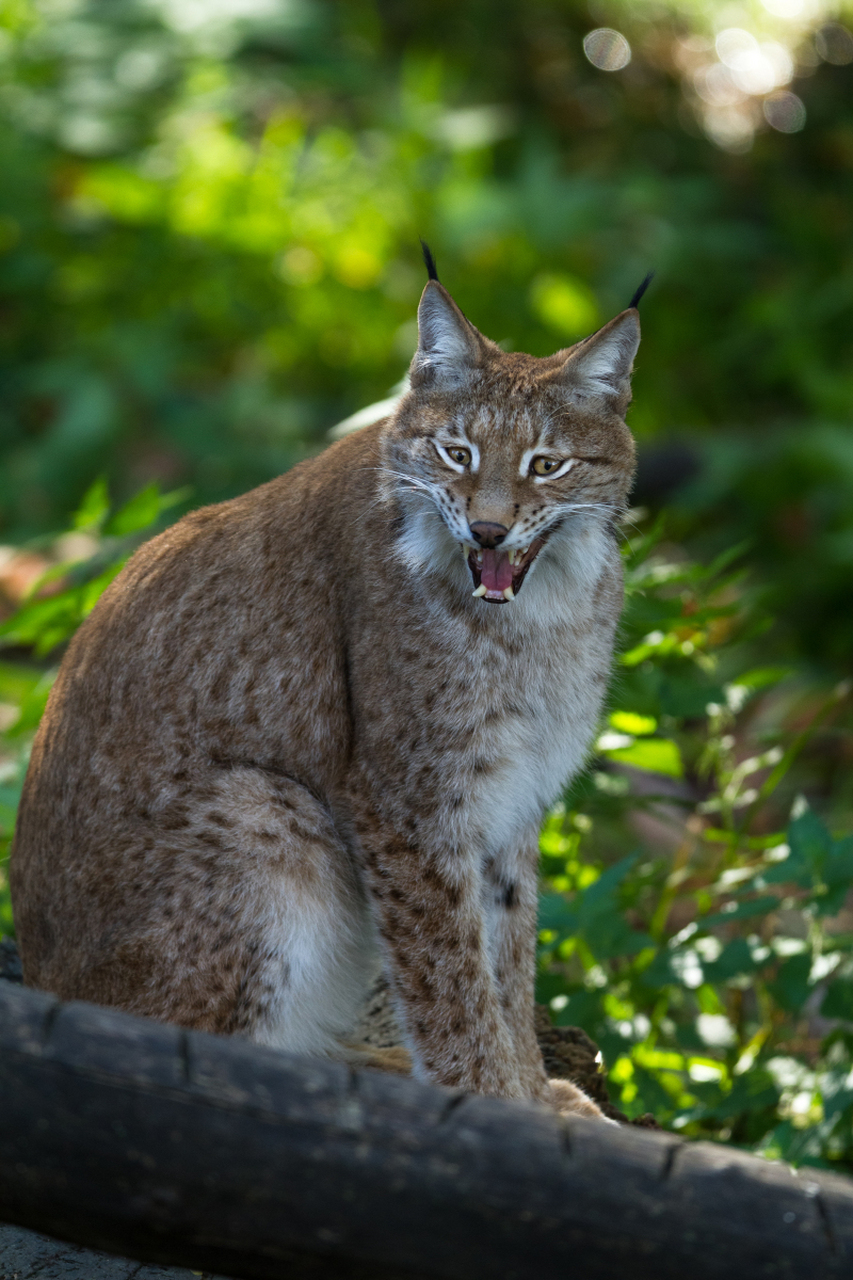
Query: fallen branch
x,y
178,1147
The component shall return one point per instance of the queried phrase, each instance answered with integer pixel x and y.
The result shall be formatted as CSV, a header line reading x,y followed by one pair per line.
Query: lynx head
x,y
501,460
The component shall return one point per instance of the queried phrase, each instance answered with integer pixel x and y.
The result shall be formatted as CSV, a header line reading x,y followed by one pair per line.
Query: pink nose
x,y
488,534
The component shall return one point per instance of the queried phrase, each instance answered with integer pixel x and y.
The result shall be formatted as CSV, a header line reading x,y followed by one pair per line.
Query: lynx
x,y
312,732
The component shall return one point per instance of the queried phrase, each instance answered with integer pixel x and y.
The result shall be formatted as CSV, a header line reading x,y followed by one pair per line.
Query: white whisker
x,y
564,508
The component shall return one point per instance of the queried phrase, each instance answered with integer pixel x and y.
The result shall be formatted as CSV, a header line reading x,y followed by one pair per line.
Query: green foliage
x,y
208,247
49,620
716,973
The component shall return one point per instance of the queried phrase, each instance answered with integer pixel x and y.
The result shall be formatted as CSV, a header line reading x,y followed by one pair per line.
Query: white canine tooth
x,y
481,590
509,594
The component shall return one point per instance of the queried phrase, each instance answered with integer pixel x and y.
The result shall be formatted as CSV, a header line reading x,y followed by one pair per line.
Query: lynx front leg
x,y
511,895
429,915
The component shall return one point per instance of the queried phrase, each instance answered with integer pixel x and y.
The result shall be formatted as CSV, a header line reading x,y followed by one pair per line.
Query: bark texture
x,y
182,1147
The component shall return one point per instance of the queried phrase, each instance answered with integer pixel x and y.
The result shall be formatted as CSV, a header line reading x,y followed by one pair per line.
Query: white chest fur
x,y
550,692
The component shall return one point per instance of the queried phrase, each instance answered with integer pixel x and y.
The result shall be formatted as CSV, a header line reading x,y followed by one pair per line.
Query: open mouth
x,y
498,574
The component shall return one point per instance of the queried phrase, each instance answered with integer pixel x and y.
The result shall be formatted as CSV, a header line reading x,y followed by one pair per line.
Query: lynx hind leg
x,y
259,927
318,937
569,1100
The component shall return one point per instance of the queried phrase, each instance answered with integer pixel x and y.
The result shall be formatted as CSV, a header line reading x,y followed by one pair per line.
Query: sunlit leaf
x,y
631,722
93,509
657,755
141,511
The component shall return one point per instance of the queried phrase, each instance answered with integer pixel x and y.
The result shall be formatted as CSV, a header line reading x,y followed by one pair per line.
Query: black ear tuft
x,y
432,270
635,301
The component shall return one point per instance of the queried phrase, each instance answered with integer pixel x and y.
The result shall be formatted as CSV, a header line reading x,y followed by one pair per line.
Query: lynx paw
x,y
395,1060
569,1100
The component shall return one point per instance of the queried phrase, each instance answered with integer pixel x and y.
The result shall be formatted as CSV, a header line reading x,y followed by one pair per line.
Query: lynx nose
x,y
488,534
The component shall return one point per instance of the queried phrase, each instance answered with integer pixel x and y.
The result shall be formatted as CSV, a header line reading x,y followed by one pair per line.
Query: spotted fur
x,y
289,745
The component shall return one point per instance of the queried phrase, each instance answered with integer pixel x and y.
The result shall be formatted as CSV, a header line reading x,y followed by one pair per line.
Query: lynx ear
x,y
449,348
600,368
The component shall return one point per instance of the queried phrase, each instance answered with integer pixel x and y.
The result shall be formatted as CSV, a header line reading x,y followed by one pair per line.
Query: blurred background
x,y
209,224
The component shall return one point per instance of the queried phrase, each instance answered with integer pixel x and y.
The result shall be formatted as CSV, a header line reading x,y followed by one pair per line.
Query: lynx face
x,y
494,455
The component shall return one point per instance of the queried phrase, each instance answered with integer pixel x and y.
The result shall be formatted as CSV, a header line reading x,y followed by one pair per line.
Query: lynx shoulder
x,y
313,731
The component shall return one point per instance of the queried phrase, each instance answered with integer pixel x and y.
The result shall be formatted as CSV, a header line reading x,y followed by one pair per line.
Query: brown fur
x,y
288,732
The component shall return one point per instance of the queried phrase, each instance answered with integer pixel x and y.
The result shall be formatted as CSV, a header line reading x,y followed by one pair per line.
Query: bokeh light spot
x,y
564,303
300,266
784,8
607,49
834,43
785,112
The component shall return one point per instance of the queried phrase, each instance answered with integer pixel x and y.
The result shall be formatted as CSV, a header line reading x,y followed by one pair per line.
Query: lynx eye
x,y
543,466
458,454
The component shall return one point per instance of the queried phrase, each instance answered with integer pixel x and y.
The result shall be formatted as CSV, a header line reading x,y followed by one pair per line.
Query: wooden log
x,y
177,1147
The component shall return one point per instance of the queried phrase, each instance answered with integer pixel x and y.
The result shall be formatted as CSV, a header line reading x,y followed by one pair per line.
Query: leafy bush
x,y
715,971
208,244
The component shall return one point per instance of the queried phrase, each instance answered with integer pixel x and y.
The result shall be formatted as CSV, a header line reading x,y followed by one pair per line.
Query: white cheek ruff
x,y
426,545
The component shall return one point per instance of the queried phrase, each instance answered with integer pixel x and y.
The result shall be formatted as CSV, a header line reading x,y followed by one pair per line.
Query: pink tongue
x,y
496,571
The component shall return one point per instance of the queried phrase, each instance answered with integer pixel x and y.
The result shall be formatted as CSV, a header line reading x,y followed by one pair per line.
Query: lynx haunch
x,y
313,731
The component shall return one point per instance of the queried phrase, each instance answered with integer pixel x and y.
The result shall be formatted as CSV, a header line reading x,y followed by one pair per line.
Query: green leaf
x,y
601,895
631,722
762,677
752,1092
44,624
657,755
17,680
791,988
661,973
92,591
582,1010
144,509
32,706
741,911
687,696
735,959
93,509
600,919
838,1001
141,511
555,913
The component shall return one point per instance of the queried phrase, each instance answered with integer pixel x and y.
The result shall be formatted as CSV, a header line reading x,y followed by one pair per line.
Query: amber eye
x,y
545,466
459,455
